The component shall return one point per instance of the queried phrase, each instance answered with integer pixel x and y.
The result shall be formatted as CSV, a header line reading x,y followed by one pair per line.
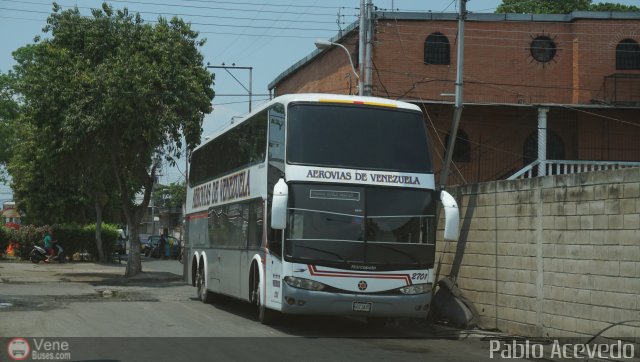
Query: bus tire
x,y
254,284
194,271
267,316
204,295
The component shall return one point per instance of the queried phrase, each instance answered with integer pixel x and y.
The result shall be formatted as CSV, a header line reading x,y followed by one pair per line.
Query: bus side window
x,y
274,237
275,241
255,224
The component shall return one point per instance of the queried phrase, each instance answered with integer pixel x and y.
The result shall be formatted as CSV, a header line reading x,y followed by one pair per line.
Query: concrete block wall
x,y
554,256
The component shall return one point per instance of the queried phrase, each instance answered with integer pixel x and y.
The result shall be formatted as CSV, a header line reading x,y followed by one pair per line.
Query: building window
x,y
627,55
436,49
462,149
543,49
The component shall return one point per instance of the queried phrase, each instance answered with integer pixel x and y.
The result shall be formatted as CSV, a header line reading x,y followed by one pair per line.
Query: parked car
x,y
154,242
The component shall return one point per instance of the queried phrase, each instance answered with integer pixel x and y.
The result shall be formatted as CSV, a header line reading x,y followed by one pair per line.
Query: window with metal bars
x,y
627,55
437,50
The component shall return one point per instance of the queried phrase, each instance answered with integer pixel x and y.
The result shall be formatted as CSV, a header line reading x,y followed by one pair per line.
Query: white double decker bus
x,y
318,204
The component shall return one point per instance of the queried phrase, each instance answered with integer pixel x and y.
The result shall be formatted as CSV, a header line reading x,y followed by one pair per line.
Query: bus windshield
x,y
361,224
359,137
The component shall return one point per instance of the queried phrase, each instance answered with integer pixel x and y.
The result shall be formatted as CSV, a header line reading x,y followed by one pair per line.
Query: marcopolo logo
x,y
18,349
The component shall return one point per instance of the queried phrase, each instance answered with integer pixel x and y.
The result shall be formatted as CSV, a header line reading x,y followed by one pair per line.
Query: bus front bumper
x,y
302,301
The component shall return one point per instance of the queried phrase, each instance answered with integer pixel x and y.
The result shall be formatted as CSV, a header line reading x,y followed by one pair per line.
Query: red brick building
x,y
582,70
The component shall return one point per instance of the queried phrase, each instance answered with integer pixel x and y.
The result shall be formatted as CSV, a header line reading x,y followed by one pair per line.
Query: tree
x,y
8,113
171,196
558,7
53,182
121,93
613,7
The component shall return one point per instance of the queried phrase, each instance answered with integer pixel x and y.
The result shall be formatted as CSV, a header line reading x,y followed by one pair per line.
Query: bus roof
x,y
341,98
315,97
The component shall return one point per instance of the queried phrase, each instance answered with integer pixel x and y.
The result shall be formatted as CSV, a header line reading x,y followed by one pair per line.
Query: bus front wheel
x,y
265,315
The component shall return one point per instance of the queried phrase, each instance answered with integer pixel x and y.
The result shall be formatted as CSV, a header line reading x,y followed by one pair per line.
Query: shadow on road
x,y
332,326
152,279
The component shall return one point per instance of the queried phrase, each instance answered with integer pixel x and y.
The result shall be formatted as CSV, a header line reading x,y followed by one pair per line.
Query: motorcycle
x,y
39,254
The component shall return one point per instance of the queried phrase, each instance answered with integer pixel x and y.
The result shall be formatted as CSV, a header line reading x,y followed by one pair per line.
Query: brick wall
x,y
555,256
499,67
503,88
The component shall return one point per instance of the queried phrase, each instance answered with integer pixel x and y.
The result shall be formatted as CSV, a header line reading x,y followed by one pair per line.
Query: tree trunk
x,y
132,213
134,263
101,256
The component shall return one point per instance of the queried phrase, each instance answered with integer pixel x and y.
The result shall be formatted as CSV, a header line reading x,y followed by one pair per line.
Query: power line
x,y
258,4
471,27
204,24
181,14
217,8
202,32
239,102
408,58
527,45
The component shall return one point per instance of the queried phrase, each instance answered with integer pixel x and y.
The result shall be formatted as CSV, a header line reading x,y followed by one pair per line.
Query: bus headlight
x,y
416,289
302,283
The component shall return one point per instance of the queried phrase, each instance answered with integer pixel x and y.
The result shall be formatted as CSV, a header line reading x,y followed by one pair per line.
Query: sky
x,y
268,35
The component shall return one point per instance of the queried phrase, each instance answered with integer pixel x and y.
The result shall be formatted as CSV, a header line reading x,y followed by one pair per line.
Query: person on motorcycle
x,y
48,244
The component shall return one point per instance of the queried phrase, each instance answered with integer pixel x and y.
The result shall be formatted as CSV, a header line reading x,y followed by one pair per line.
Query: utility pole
x,y
362,43
233,66
369,66
457,111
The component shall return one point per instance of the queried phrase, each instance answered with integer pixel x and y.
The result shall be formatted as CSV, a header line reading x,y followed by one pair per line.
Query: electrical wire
x,y
307,21
208,24
471,26
215,8
257,4
399,40
404,52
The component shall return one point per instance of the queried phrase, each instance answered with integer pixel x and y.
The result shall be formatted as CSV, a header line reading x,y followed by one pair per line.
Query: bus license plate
x,y
361,307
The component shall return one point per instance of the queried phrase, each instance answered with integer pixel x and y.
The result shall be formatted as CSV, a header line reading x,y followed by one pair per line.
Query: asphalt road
x,y
156,317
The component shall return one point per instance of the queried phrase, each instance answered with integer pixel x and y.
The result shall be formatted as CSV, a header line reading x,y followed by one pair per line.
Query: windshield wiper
x,y
324,251
396,250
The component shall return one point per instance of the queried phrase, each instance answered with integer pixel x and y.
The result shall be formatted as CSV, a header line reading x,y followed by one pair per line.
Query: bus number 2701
x,y
419,276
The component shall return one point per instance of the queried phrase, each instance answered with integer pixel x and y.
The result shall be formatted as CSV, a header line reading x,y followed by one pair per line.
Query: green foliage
x,y
27,236
5,238
613,7
78,238
558,7
171,196
72,237
8,113
105,98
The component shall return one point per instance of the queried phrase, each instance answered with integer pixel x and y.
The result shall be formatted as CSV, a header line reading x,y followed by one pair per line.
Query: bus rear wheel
x,y
204,295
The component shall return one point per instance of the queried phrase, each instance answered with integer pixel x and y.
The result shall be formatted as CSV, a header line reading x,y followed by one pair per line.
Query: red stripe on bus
x,y
341,274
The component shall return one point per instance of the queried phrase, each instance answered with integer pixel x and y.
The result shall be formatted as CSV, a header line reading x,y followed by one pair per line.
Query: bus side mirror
x,y
451,217
279,205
